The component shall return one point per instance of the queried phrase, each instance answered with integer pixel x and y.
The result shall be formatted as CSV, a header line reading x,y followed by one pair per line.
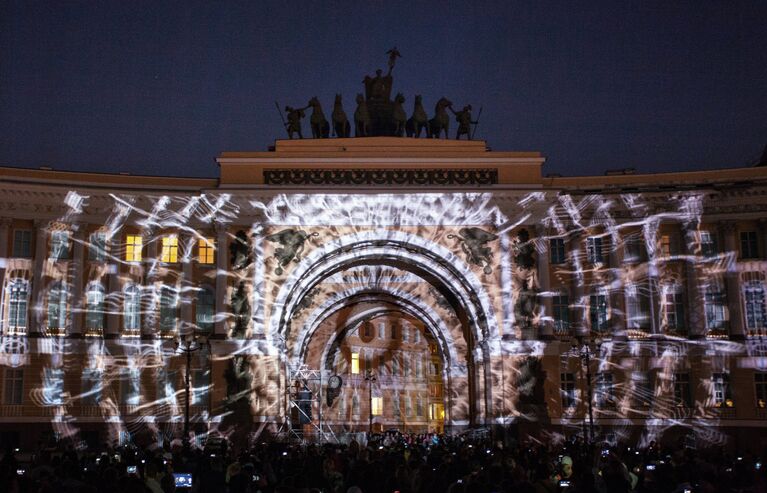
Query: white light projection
x,y
416,233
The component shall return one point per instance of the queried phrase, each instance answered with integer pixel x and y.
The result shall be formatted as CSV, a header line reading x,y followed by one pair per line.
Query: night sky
x,y
164,87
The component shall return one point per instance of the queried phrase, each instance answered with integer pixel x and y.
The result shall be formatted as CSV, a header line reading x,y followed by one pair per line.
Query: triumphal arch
x,y
327,287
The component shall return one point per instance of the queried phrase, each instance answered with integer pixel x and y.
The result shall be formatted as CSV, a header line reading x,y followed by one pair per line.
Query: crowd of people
x,y
387,463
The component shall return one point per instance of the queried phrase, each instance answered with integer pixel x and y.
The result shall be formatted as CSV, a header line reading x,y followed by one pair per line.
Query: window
x,y
355,363
13,386
97,247
760,386
53,386
368,362
722,390
633,249
753,294
169,253
594,249
749,244
394,365
669,245
381,330
557,251
377,406
419,405
673,305
367,330
168,309
567,390
17,304
205,310
57,306
133,245
561,308
405,332
94,307
130,387
598,312
200,386
418,368
206,250
682,391
395,405
408,406
132,308
604,390
22,243
708,244
394,331
405,365
166,384
715,309
644,389
92,381
59,245
436,411
416,335
355,406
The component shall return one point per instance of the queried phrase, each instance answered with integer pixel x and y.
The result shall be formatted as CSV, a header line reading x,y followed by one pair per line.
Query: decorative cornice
x,y
377,177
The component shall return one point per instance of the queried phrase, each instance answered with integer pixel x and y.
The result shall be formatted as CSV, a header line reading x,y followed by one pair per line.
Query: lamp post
x,y
370,378
584,346
189,343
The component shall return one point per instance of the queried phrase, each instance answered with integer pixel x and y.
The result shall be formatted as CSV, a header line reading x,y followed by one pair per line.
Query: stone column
x,y
222,270
78,266
5,228
546,329
732,281
38,272
188,290
617,293
149,307
114,300
579,328
696,320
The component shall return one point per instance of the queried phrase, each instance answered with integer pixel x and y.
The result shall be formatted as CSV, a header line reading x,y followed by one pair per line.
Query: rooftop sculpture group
x,y
378,115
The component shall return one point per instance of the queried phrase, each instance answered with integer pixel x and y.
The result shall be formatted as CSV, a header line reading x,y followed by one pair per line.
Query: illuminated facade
x,y
460,277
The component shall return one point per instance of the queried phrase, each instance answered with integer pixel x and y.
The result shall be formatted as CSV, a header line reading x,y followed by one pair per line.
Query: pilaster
x,y
732,281
222,269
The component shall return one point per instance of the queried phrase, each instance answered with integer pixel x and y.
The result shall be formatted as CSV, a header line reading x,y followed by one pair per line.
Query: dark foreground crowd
x,y
390,463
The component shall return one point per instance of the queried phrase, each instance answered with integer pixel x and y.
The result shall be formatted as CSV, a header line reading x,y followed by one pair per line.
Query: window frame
x,y
206,250
134,246
557,252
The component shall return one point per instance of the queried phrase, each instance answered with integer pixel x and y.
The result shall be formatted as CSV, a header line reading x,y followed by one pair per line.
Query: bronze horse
x,y
399,117
361,118
419,121
441,120
320,125
341,126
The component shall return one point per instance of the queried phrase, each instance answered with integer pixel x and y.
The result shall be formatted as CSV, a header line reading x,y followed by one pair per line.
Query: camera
x,y
650,467
20,472
131,469
564,483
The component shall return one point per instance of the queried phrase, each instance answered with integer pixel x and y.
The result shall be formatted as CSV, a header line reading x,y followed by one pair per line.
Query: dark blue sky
x,y
163,87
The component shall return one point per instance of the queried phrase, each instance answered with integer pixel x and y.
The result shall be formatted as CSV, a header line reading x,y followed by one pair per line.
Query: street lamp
x,y
584,346
370,378
189,343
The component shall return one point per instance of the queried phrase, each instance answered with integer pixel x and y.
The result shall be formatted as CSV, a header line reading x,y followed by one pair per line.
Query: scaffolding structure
x,y
304,386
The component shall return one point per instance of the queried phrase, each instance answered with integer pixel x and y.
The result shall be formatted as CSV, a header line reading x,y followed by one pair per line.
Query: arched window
x,y
132,308
57,305
18,303
168,309
94,307
205,310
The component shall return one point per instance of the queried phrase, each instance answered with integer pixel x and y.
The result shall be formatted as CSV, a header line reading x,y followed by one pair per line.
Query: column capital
x,y
220,227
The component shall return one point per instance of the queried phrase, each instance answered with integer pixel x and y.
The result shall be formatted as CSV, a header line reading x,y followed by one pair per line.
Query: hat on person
x,y
567,460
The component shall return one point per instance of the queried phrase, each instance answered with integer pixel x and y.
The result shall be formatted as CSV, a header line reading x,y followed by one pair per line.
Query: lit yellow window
x,y
377,406
169,253
436,412
355,363
205,251
133,244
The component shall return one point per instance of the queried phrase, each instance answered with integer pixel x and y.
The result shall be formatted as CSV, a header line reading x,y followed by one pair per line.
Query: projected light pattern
x,y
289,280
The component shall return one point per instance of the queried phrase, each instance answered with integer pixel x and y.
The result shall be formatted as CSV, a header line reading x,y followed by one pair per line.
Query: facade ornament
x,y
361,118
465,122
241,311
441,121
293,125
473,243
292,244
240,251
